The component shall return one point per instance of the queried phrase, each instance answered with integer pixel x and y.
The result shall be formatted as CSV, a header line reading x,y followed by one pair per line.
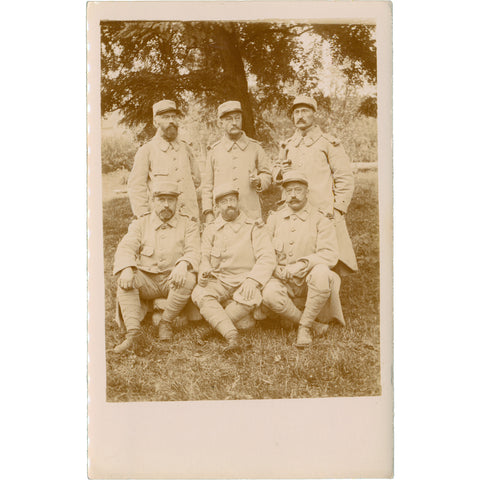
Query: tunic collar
x,y
310,137
235,224
242,142
164,145
158,223
302,214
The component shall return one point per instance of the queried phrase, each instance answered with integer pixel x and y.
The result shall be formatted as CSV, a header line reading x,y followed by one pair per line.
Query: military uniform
x,y
231,253
324,161
153,248
234,161
159,160
309,236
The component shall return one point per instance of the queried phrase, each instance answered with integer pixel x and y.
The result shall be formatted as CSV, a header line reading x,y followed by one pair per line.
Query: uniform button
x,y
235,178
292,229
290,254
178,181
292,242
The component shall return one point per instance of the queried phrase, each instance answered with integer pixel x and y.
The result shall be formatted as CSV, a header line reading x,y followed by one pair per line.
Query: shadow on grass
x,y
346,362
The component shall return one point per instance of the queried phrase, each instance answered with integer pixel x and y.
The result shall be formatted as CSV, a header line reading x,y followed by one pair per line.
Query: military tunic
x,y
231,161
164,161
331,184
155,247
237,250
231,253
306,235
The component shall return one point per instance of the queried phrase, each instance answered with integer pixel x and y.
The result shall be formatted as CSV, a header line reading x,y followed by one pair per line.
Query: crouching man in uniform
x,y
157,258
306,247
237,260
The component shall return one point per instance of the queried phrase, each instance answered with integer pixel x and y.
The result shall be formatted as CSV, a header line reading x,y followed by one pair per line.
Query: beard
x,y
170,132
165,214
231,213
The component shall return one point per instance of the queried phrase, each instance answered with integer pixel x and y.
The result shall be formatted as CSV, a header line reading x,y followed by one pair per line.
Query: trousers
x,y
133,303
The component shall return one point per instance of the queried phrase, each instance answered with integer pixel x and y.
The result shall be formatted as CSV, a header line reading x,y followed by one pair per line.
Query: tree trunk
x,y
236,79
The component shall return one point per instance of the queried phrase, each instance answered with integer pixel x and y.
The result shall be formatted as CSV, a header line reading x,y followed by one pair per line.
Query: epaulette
x,y
333,140
253,140
209,147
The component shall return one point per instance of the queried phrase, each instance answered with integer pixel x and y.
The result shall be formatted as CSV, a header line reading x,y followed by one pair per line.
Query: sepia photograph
x,y
236,162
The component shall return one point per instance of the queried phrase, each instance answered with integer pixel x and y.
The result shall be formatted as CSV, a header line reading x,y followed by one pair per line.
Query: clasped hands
x,y
297,269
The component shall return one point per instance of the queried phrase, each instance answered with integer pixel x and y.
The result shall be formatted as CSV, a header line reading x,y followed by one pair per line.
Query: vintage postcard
x,y
240,239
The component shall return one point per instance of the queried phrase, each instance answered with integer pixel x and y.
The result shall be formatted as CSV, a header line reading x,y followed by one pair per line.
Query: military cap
x,y
229,107
224,189
303,100
294,176
164,106
165,188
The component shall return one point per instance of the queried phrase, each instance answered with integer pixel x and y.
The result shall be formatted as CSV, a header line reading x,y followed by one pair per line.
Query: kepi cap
x,y
164,187
303,100
294,176
164,106
224,189
229,107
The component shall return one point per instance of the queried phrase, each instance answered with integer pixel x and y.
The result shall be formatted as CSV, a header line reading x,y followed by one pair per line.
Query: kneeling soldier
x,y
306,247
237,260
157,258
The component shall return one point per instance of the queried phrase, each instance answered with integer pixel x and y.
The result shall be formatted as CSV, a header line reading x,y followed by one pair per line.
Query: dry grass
x,y
346,362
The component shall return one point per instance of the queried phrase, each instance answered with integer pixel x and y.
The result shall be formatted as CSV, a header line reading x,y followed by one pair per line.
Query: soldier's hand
x,y
279,272
255,181
178,277
126,278
248,288
293,269
209,217
285,166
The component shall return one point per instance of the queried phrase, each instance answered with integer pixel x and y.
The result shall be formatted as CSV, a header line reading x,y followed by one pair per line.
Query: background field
x,y
346,362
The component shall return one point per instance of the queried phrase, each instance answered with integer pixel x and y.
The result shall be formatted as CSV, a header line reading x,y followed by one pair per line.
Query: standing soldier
x,y
323,160
235,159
306,247
237,260
164,157
157,258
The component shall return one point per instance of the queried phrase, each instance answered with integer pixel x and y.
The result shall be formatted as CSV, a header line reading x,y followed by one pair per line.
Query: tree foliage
x,y
211,62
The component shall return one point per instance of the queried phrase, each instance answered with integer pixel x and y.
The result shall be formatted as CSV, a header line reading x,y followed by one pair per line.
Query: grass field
x,y
346,362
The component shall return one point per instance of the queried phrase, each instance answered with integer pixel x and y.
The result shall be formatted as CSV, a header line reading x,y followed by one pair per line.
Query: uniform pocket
x,y
147,250
215,257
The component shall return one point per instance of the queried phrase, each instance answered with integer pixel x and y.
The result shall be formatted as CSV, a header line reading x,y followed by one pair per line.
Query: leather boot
x,y
129,342
156,317
233,344
316,299
165,333
304,337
